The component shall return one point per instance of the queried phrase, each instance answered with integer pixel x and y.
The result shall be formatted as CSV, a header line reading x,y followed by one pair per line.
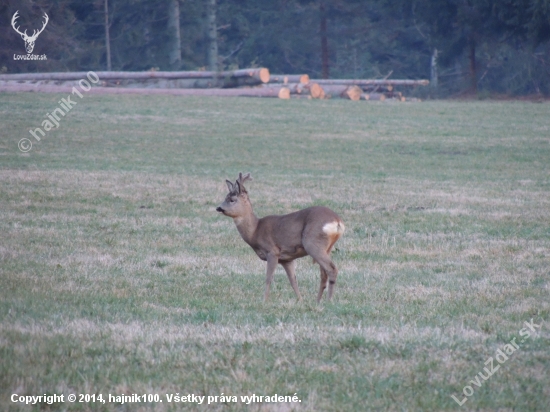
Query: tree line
x,y
462,46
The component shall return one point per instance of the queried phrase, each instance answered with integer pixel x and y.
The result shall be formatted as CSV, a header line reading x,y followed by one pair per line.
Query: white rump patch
x,y
334,228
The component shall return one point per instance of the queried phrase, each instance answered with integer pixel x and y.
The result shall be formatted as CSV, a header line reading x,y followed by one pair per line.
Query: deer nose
x,y
219,209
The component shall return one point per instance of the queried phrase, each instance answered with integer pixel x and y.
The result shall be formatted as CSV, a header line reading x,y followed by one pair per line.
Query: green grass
x,y
117,275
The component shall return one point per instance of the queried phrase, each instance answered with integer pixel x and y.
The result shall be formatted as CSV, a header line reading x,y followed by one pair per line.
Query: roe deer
x,y
283,238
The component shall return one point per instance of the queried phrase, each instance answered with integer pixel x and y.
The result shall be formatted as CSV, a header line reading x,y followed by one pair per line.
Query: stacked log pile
x,y
255,82
368,89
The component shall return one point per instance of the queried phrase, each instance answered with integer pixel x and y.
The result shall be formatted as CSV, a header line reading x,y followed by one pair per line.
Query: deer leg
x,y
324,279
330,269
323,259
272,261
331,279
290,269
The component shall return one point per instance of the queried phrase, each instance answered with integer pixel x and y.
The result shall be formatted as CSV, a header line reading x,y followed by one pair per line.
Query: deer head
x,y
29,40
236,202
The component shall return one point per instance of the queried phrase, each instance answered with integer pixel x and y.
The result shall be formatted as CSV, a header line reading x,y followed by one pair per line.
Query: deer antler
x,y
240,181
13,19
244,178
35,32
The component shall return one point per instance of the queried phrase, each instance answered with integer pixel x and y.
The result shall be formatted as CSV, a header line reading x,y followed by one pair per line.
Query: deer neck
x,y
246,225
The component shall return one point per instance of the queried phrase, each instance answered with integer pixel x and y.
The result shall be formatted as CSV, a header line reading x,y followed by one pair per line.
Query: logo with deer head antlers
x,y
29,40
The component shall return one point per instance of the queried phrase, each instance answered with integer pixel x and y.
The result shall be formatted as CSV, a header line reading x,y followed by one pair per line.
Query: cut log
x,y
316,91
311,89
353,93
345,92
156,83
251,78
277,78
298,78
275,91
284,93
289,78
370,82
260,75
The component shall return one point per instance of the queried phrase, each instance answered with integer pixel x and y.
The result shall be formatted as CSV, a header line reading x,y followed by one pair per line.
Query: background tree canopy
x,y
497,46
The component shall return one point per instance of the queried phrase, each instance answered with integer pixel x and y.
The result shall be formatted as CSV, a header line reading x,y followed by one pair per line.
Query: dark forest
x,y
462,46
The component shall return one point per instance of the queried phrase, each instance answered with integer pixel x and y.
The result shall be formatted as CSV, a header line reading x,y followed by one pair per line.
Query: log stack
x,y
367,89
254,82
184,83
299,85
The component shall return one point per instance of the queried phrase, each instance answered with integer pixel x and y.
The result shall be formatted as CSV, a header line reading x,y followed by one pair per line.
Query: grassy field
x,y
117,276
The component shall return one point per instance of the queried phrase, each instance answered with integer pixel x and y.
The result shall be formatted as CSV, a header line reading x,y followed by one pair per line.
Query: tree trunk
x,y
259,75
107,37
289,78
174,32
473,68
212,35
324,41
433,70
206,83
275,91
345,92
370,82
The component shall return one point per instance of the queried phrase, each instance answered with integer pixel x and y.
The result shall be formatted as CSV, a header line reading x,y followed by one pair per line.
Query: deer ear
x,y
229,185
